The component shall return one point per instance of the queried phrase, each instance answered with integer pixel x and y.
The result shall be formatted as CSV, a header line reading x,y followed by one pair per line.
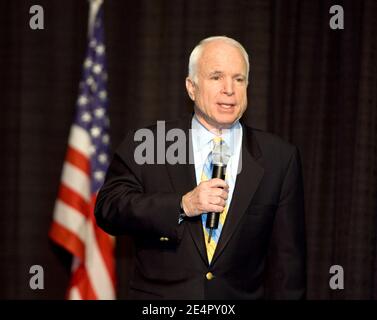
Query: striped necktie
x,y
207,175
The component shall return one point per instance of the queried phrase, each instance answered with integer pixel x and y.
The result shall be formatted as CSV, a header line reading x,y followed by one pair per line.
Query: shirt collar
x,y
203,136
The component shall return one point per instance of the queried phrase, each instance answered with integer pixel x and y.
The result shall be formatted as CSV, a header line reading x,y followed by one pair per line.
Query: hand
x,y
208,196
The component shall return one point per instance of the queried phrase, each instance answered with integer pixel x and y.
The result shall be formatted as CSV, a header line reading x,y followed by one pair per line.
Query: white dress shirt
x,y
202,144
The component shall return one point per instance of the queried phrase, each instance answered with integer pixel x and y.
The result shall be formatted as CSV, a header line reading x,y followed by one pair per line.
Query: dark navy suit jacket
x,y
261,251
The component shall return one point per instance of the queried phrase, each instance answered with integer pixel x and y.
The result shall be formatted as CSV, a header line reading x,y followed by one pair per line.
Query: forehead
x,y
221,56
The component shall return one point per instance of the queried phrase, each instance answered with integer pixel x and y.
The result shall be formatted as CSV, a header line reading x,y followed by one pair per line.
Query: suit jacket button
x,y
210,276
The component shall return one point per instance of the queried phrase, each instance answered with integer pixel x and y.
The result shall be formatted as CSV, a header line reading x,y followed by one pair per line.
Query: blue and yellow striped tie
x,y
207,175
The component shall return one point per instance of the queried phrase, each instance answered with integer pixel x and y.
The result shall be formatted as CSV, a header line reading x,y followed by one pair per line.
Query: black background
x,y
314,86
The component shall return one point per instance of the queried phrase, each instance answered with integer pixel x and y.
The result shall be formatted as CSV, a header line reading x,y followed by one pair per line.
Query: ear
x,y
190,87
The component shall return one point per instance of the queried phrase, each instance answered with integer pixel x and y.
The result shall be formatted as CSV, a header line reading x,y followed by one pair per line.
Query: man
x,y
258,249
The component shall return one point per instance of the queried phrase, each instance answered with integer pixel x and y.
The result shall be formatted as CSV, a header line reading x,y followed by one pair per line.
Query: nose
x,y
228,88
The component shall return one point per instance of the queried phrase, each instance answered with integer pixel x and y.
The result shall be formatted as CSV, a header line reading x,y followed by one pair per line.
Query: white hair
x,y
198,50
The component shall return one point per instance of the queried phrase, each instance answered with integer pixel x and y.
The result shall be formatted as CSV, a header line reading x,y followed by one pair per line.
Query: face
x,y
220,90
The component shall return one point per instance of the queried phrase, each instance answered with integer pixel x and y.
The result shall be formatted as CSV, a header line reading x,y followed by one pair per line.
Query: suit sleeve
x,y
287,255
122,206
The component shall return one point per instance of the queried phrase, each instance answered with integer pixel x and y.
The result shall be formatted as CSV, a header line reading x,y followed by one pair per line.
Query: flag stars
x,y
100,49
92,150
95,131
89,81
86,117
102,94
102,158
88,63
83,100
93,87
99,112
97,68
105,139
99,175
93,43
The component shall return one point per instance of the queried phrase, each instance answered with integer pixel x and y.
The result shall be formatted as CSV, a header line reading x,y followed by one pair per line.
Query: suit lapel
x,y
183,179
246,184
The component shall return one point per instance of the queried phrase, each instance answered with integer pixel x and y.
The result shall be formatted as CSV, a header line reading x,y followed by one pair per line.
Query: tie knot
x,y
218,140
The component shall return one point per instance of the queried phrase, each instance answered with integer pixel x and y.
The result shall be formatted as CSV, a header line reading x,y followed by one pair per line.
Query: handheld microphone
x,y
220,158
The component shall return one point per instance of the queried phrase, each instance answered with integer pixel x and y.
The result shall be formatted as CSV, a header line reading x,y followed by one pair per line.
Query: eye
x,y
215,78
240,80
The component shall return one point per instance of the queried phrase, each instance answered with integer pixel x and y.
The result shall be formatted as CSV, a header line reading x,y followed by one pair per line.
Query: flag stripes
x,y
73,226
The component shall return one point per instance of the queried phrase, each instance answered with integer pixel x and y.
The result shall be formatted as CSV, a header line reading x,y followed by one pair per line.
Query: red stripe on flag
x,y
78,159
80,280
73,199
105,244
68,240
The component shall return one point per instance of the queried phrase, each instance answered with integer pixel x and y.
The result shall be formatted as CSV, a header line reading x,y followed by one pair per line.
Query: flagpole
x,y
94,6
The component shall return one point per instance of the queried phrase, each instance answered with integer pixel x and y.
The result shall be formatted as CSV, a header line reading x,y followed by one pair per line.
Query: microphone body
x,y
212,221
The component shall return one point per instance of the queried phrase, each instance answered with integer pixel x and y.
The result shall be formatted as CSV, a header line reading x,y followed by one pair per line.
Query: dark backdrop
x,y
314,86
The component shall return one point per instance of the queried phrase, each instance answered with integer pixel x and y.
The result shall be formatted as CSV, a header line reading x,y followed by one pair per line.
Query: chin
x,y
225,122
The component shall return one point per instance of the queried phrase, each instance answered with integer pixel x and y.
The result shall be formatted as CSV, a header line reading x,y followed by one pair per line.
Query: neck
x,y
206,123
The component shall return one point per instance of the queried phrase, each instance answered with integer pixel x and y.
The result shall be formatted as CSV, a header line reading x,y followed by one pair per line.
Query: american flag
x,y
87,158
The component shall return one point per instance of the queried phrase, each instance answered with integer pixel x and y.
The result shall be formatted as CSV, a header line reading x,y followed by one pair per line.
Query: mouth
x,y
226,106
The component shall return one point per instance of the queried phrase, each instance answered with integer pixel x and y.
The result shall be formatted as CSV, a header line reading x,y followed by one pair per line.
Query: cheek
x,y
209,100
242,97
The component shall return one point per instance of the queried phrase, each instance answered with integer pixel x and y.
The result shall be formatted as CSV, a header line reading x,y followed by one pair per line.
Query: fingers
x,y
208,196
216,195
218,192
218,183
214,208
216,200
215,187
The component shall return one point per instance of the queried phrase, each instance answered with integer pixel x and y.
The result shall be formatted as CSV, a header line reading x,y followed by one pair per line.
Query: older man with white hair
x,y
198,234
